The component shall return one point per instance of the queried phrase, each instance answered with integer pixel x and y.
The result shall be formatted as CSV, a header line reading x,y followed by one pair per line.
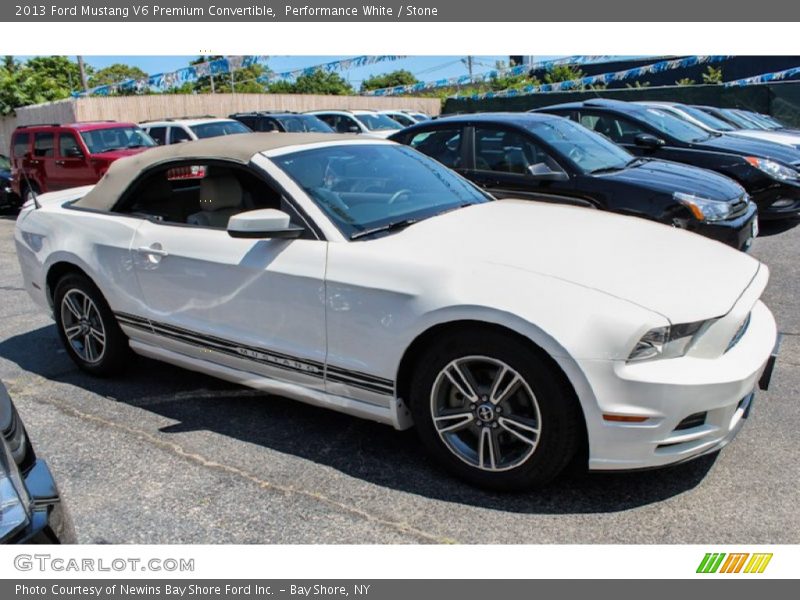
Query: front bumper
x,y
779,201
691,405
50,522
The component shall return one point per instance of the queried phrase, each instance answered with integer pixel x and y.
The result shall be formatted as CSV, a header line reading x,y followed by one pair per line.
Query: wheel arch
x,y
59,269
564,367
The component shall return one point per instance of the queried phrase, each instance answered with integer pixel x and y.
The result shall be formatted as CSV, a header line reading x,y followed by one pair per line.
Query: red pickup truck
x,y
46,158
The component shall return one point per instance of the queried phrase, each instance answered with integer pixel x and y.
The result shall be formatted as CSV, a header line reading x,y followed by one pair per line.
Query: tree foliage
x,y
318,82
713,75
115,73
40,79
392,79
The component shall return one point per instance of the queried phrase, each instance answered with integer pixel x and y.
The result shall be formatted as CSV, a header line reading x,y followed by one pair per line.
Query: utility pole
x,y
82,69
469,66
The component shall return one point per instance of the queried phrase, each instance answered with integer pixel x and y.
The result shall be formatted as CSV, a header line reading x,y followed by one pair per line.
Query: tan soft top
x,y
238,148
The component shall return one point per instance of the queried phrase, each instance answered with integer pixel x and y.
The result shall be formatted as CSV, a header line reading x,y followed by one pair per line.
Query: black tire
x,y
554,407
115,349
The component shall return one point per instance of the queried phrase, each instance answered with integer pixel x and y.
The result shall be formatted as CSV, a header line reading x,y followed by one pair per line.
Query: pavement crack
x,y
201,460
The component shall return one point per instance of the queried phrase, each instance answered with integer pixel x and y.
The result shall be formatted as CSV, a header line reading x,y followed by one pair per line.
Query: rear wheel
x,y
87,327
492,410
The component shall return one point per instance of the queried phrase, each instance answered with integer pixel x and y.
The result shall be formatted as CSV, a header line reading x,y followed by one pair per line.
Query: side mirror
x,y
645,140
74,152
263,223
541,172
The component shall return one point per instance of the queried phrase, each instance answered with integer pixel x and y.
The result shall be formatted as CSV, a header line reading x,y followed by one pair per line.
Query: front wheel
x,y
87,327
492,410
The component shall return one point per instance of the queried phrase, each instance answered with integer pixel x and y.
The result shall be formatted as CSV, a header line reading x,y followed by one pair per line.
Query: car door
x,y
72,168
255,305
510,164
43,160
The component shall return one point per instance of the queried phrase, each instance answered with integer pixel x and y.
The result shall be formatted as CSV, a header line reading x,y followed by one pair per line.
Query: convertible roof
x,y
240,147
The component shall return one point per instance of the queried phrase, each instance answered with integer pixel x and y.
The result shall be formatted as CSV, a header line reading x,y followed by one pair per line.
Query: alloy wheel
x,y
83,326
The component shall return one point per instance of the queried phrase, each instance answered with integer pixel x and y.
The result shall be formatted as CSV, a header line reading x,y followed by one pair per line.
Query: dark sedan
x,y
7,196
546,158
31,510
768,171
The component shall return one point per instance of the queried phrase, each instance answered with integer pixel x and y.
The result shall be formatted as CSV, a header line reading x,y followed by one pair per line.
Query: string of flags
x,y
764,77
488,75
604,78
162,82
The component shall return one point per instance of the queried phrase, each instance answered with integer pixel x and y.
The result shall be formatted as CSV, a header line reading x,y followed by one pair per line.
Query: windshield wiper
x,y
393,226
606,170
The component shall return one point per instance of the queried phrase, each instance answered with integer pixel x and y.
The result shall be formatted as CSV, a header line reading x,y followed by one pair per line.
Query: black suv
x,y
267,120
551,159
768,171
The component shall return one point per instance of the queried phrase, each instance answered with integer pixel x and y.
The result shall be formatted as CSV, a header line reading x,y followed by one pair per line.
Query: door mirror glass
x,y
263,223
645,140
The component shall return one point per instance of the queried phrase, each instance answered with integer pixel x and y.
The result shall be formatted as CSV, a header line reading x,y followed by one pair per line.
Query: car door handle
x,y
151,250
61,163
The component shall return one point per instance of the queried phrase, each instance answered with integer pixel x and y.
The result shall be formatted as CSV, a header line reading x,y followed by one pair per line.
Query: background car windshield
x,y
217,128
362,186
5,164
738,120
707,119
115,138
756,118
305,123
672,126
588,150
378,122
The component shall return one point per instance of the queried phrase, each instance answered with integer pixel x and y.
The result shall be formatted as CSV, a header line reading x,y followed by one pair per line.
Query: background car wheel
x,y
87,327
494,411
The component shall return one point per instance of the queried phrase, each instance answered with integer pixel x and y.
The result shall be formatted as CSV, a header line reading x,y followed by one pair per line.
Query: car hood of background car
x,y
750,147
680,275
668,177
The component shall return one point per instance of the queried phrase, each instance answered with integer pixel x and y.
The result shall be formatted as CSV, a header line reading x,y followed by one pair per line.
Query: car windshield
x,y
707,119
5,164
759,120
588,150
673,126
365,187
420,116
115,138
738,119
218,128
377,122
304,123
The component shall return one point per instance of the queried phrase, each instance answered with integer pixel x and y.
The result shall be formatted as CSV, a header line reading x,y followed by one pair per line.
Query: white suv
x,y
368,122
173,131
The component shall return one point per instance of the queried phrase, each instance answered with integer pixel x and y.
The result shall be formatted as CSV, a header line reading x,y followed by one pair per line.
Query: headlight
x,y
671,341
704,209
14,500
773,169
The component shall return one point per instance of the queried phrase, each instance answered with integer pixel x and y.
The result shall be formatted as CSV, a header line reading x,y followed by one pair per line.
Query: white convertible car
x,y
362,276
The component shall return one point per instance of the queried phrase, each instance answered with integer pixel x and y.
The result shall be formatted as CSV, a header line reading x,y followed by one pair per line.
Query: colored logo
x,y
735,562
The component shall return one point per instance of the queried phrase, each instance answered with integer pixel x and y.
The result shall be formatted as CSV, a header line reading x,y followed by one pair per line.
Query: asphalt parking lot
x,y
163,455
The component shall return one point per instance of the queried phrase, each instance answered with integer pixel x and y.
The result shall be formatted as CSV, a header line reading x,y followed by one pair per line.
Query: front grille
x,y
692,421
739,207
739,333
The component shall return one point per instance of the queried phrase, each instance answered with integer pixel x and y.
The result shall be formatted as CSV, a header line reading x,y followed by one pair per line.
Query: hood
x,y
777,137
668,177
115,154
680,275
744,146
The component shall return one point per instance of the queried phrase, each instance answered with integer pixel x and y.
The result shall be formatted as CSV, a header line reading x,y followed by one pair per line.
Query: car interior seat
x,y
220,198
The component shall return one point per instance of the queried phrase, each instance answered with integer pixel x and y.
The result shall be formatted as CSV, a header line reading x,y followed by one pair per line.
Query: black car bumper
x,y
50,522
780,201
738,233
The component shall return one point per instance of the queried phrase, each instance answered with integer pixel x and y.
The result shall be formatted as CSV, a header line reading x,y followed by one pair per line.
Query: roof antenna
x,y
34,195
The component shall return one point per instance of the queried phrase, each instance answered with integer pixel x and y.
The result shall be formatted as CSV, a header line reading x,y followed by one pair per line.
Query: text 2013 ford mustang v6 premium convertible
x,y
363,276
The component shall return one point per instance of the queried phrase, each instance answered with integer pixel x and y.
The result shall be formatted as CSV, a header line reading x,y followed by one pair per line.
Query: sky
x,y
425,68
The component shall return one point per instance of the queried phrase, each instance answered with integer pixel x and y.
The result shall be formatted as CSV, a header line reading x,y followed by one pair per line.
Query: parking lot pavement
x,y
162,455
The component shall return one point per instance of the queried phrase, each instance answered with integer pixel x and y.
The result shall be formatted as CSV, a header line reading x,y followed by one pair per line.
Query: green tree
x,y
560,73
712,75
40,79
685,81
395,78
638,85
115,73
318,82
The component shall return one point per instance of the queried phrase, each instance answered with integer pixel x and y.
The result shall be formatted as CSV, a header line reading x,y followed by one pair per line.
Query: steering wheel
x,y
399,194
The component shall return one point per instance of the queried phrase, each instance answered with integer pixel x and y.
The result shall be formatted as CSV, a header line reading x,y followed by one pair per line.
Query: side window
x,y
159,135
508,151
204,195
345,124
68,146
443,145
21,145
43,145
267,124
329,119
178,134
617,129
